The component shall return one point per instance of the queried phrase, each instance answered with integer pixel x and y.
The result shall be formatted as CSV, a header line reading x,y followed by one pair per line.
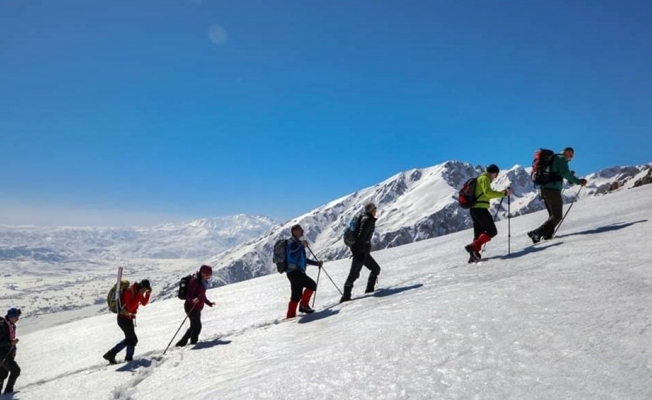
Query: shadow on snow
x,y
607,228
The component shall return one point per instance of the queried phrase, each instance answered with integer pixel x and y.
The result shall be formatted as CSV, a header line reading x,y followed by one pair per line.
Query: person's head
x,y
493,171
144,284
297,231
568,153
370,209
206,271
13,314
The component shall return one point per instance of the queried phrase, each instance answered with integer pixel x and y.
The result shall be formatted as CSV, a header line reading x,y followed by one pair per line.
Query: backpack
x,y
183,287
279,257
466,196
541,167
351,230
111,298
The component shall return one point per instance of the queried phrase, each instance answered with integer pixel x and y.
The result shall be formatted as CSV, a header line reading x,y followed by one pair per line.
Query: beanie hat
x,y
569,149
206,269
369,207
145,284
493,169
13,312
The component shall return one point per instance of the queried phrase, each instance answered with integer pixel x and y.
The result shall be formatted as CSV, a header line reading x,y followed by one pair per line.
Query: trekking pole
x,y
316,287
498,209
8,354
509,225
329,277
495,216
177,332
567,211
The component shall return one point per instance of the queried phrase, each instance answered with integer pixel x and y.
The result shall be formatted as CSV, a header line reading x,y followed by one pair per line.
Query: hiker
x,y
484,227
195,300
551,194
131,298
361,250
301,284
8,366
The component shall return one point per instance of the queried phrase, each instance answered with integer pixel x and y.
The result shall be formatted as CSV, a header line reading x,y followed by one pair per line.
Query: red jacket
x,y
196,290
130,300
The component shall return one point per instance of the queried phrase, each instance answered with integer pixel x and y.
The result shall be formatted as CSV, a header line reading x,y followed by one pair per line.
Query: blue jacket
x,y
296,256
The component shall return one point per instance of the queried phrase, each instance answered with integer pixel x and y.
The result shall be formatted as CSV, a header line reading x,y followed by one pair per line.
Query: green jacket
x,y
484,192
560,168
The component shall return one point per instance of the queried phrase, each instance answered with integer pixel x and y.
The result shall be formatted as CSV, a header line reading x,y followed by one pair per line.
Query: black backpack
x,y
183,287
279,257
542,167
466,196
350,236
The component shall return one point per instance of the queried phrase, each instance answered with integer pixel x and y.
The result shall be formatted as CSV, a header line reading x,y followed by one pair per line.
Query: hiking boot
x,y
110,357
534,235
305,309
182,343
472,253
127,359
345,298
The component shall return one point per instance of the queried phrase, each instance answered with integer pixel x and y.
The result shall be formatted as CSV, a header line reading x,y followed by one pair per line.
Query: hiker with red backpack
x,y
194,304
484,227
551,187
8,366
132,297
301,284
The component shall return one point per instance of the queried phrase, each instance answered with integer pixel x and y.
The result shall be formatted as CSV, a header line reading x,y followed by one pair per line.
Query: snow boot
x,y
347,294
473,255
534,235
292,309
110,357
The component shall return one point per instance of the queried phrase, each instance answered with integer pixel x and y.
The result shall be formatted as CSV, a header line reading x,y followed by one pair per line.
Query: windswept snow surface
x,y
566,319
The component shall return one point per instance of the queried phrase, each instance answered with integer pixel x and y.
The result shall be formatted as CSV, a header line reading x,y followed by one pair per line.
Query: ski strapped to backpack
x,y
112,300
466,196
351,233
279,257
542,167
183,287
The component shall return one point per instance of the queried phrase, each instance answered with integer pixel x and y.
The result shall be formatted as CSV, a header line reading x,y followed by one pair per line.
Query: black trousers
x,y
127,326
298,281
483,222
361,259
193,332
555,206
8,369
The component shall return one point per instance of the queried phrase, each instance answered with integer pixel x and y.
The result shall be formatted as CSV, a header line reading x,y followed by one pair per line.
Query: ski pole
x,y
567,211
509,225
316,287
326,272
11,348
495,216
182,322
498,209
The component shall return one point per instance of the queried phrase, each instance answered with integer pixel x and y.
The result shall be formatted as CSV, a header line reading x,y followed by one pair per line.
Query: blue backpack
x,y
350,234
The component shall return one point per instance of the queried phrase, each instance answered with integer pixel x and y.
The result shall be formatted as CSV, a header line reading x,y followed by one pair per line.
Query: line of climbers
x,y
548,171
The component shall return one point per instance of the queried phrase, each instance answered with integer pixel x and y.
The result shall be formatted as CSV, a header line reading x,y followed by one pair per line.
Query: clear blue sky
x,y
153,111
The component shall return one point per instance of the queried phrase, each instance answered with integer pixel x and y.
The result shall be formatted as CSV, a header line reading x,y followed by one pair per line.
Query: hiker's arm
x,y
145,298
565,173
487,191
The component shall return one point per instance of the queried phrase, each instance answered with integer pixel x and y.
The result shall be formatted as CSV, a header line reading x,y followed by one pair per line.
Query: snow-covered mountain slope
x,y
413,205
565,319
38,264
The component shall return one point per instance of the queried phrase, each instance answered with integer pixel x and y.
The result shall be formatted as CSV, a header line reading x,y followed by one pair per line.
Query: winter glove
x,y
320,264
211,304
583,182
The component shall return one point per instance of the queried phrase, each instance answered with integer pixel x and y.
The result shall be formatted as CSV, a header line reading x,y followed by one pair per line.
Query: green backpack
x,y
111,298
